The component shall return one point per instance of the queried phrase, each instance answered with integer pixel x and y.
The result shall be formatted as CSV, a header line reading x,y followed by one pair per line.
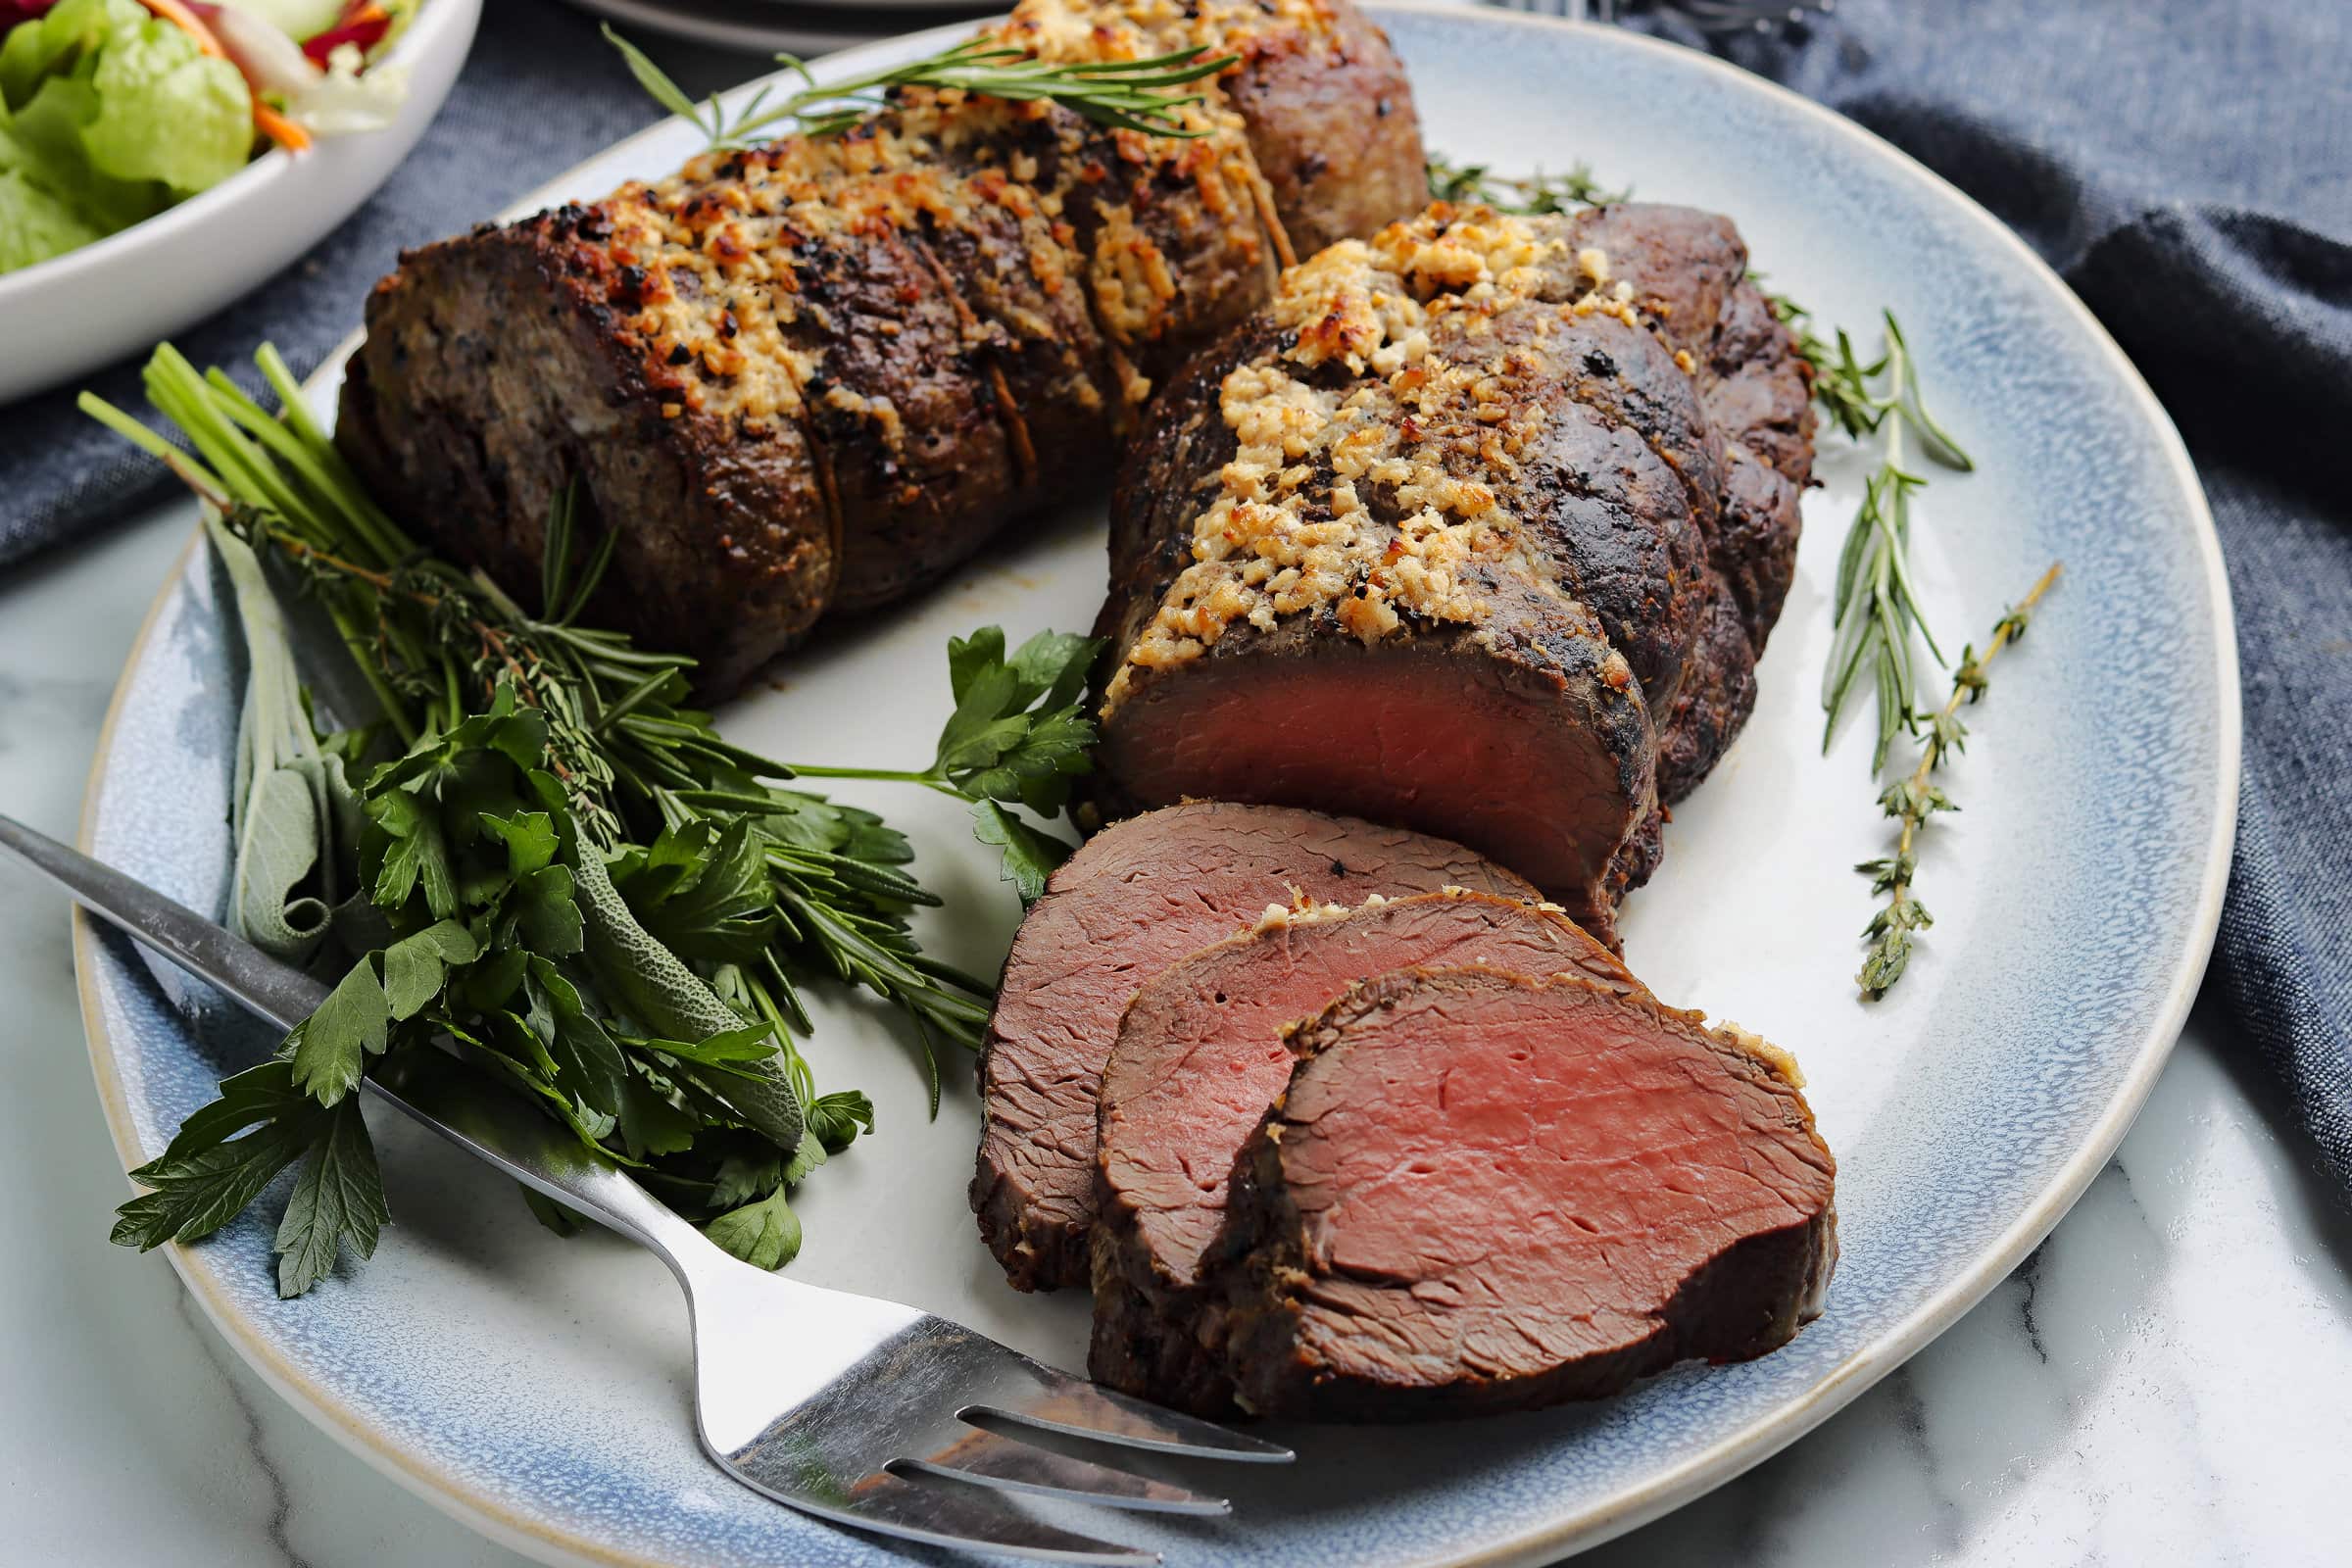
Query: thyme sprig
x,y
1141,95
1539,192
1874,604
1916,798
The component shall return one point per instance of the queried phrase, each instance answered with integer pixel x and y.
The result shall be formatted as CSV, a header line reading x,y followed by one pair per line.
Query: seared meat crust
x,y
1554,464
810,377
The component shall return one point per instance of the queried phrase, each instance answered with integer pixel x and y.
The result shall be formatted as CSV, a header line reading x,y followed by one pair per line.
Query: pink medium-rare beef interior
x,y
1482,1192
1201,1056
1135,897
1514,760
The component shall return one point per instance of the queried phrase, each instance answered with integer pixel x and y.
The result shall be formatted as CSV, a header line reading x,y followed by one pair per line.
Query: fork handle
x,y
481,1116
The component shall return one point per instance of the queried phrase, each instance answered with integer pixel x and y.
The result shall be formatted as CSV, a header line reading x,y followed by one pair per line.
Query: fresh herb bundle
x,y
1912,799
1126,94
554,862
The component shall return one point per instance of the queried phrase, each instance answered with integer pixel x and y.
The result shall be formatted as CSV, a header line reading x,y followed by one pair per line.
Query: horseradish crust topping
x,y
1340,497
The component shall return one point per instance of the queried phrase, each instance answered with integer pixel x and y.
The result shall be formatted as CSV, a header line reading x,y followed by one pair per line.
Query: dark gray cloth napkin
x,y
2186,165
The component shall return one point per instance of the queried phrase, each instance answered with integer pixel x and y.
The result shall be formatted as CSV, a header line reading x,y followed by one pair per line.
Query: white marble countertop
x,y
2167,1380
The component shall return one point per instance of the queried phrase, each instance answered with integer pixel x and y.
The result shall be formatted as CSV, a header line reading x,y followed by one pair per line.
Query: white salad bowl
x,y
70,315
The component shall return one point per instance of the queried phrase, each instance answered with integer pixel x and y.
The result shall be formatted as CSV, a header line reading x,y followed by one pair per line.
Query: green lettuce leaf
x,y
107,114
34,225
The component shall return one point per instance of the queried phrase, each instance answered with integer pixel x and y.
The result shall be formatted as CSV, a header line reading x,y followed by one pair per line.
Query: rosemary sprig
x,y
1876,609
1539,192
1140,95
1911,801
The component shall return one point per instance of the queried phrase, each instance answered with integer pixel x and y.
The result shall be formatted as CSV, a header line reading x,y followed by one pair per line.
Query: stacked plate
x,y
767,27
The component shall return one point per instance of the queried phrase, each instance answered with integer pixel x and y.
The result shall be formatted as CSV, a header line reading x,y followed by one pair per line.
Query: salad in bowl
x,y
112,111
161,158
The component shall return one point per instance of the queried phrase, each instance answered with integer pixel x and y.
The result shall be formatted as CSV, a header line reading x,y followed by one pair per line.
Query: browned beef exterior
x,y
1201,1052
809,376
1482,1192
1136,897
1478,527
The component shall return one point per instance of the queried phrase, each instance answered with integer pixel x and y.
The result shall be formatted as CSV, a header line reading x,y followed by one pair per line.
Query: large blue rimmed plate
x,y
537,1388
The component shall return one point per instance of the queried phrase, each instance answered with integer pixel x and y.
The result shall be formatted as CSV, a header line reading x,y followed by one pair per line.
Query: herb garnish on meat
x,y
1539,192
1126,94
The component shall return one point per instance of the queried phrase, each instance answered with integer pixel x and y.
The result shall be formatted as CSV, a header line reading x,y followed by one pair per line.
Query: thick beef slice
x,y
1135,897
1201,1052
1482,1192
1517,744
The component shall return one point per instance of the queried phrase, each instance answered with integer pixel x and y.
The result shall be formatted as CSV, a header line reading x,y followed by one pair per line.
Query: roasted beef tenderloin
x,y
1136,897
1478,527
807,378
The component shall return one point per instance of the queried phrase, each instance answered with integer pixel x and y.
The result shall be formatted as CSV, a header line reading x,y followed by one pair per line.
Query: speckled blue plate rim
x,y
1736,1450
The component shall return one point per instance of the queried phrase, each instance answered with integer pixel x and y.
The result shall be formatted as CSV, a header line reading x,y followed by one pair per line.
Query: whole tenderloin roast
x,y
1479,527
809,376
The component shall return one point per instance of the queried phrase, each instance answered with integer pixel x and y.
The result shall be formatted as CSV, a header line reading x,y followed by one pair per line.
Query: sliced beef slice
x,y
1201,1052
1138,895
1482,1192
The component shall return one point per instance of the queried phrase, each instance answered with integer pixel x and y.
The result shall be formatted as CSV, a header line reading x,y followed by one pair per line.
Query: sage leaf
x,y
277,850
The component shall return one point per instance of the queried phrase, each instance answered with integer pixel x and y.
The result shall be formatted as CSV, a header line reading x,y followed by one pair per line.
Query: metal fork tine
x,y
1064,1404
967,1517
986,1459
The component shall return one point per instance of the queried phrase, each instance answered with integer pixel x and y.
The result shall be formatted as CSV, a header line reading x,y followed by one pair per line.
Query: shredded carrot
x,y
278,128
180,16
273,124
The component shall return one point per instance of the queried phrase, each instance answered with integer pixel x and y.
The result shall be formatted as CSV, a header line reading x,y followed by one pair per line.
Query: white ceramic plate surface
x,y
72,314
537,1388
